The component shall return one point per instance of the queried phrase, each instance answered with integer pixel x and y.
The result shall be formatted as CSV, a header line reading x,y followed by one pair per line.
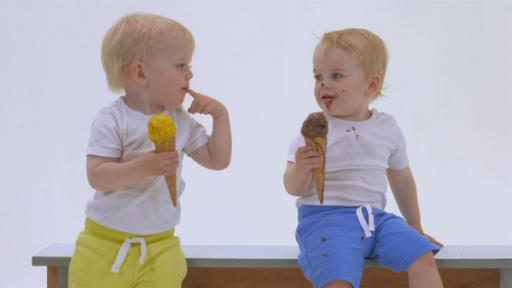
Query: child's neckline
x,y
373,113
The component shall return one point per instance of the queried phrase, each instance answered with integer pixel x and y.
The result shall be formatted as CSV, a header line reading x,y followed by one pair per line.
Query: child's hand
x,y
206,105
158,164
432,240
308,158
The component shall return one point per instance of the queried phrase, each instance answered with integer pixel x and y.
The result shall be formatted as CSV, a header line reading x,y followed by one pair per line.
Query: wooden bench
x,y
276,266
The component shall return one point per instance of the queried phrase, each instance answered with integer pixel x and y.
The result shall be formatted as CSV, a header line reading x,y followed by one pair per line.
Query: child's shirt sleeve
x,y
197,135
297,142
398,159
105,138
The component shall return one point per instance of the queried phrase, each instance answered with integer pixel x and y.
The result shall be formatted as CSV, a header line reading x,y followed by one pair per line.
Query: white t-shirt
x,y
358,155
144,207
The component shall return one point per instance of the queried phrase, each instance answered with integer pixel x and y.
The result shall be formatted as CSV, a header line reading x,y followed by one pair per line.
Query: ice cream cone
x,y
162,131
314,130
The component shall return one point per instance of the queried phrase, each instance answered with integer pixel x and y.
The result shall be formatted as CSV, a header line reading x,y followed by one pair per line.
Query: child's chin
x,y
332,111
326,109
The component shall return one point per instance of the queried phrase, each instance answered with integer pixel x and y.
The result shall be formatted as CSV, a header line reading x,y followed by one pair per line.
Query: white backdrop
x,y
448,84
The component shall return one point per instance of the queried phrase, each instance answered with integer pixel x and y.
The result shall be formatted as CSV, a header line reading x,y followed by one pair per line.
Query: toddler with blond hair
x,y
128,239
365,150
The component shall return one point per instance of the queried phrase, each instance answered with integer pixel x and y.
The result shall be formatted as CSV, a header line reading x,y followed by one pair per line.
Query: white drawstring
x,y
121,255
367,227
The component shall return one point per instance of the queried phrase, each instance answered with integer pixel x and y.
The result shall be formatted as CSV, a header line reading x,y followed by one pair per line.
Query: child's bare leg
x,y
338,284
423,273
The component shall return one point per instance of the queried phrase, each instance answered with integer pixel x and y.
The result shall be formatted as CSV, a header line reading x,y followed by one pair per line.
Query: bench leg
x,y
51,277
506,278
57,277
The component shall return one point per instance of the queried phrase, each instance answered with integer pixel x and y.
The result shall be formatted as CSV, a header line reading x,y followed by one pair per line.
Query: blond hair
x,y
368,47
128,40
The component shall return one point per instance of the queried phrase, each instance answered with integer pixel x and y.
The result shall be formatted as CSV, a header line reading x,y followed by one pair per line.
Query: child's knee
x,y
425,262
338,284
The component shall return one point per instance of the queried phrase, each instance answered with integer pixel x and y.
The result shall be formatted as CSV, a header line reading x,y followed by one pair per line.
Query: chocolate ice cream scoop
x,y
315,126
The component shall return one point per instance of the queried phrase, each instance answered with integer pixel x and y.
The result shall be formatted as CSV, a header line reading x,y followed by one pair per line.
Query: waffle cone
x,y
319,144
167,146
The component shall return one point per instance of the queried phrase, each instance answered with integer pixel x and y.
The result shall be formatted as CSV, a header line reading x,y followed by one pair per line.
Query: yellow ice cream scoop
x,y
162,131
161,127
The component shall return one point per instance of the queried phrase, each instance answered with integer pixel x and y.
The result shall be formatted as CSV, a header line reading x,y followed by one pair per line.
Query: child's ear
x,y
374,84
138,73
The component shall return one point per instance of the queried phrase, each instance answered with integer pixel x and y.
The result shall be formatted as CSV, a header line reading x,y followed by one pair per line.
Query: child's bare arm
x,y
404,189
297,176
216,154
108,174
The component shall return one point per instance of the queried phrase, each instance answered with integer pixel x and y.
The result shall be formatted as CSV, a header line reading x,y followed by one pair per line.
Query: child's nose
x,y
189,75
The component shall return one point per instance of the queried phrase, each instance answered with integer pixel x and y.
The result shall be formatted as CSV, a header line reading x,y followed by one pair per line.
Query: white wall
x,y
448,84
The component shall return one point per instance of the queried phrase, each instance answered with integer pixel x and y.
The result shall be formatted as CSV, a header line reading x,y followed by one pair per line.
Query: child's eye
x,y
337,76
184,66
318,77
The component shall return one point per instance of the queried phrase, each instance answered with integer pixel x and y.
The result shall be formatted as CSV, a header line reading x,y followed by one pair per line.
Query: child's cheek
x,y
317,91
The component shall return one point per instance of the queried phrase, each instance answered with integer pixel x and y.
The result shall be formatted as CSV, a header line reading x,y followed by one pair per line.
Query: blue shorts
x,y
333,243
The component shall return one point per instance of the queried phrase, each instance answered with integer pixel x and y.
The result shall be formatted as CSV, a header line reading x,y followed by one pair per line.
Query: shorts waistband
x,y
120,236
311,210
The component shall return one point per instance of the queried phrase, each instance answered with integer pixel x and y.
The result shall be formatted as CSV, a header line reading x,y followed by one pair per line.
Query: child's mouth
x,y
328,100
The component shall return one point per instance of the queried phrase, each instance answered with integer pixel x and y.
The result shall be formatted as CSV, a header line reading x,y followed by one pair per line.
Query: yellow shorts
x,y
107,258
